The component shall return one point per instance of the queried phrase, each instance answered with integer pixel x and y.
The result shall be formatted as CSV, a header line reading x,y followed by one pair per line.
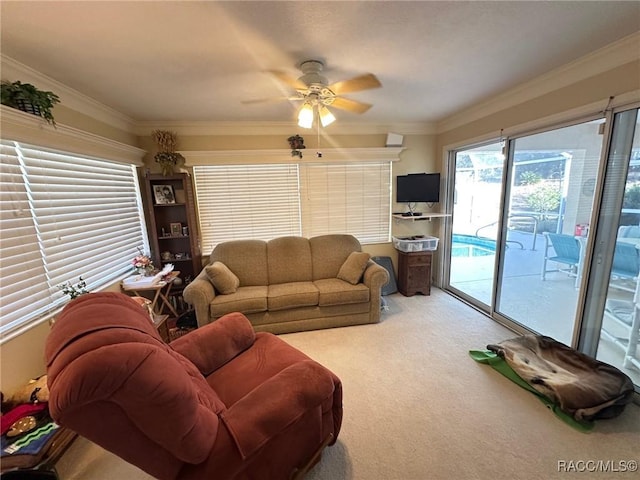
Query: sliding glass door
x,y
611,323
478,188
547,211
546,238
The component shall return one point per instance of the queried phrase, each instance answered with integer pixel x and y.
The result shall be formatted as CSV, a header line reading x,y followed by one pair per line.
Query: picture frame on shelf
x,y
175,229
164,194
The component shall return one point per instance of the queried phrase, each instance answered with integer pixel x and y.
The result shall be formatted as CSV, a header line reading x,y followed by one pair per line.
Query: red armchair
x,y
221,402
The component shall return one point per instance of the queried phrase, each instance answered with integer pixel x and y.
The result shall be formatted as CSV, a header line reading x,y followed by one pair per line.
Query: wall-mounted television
x,y
418,187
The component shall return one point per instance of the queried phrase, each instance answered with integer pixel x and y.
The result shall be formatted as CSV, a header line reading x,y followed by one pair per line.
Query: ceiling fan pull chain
x,y
318,152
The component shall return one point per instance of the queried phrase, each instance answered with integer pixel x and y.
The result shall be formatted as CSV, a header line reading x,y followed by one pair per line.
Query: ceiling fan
x,y
317,94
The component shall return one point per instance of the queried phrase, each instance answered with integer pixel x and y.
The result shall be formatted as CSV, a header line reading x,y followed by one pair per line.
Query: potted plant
x,y
28,98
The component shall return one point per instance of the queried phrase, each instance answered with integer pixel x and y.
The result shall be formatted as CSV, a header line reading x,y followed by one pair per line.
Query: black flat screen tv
x,y
418,187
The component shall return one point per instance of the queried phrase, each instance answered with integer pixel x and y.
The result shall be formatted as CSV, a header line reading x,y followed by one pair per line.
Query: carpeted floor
x,y
416,406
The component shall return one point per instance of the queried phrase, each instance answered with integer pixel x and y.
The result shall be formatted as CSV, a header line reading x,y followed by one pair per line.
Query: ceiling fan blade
x,y
288,79
350,105
356,84
269,100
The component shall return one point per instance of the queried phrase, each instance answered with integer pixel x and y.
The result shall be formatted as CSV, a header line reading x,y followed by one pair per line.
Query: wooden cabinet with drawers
x,y
414,272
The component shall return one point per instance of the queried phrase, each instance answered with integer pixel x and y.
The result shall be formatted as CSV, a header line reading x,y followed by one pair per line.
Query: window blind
x,y
353,198
246,202
22,272
85,219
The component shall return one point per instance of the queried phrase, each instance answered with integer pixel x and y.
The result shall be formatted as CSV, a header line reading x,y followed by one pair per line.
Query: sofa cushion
x,y
329,252
333,291
353,267
223,279
289,260
247,259
283,296
245,300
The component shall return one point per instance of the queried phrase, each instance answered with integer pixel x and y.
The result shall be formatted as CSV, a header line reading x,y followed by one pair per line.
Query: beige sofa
x,y
290,284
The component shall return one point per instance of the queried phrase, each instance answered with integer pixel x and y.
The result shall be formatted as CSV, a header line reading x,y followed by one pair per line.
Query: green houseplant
x,y
74,290
28,98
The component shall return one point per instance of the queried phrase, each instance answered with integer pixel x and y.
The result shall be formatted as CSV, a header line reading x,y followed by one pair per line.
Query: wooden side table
x,y
414,272
160,293
160,322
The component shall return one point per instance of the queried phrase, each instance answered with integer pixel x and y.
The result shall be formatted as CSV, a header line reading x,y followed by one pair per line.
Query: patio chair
x,y
623,327
566,251
625,261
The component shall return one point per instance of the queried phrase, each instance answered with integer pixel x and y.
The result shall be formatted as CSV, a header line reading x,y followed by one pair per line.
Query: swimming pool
x,y
471,246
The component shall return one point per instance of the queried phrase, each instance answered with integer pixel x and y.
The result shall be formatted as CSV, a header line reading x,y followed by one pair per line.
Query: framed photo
x,y
176,229
164,194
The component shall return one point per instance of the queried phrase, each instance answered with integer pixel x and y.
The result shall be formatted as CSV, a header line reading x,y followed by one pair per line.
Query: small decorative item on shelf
x,y
176,229
166,256
167,156
296,142
74,290
143,265
27,98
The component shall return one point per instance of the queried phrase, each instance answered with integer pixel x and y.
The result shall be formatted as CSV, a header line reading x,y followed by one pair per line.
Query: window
x,y
246,201
351,198
63,216
267,201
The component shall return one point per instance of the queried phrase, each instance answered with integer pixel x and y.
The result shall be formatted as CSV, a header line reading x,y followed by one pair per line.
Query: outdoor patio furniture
x,y
566,251
621,326
625,261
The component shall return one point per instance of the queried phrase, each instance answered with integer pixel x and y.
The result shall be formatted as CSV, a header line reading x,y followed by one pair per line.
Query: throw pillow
x,y
223,279
354,266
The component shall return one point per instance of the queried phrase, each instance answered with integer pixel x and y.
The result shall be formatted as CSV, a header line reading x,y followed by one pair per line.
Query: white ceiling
x,y
197,61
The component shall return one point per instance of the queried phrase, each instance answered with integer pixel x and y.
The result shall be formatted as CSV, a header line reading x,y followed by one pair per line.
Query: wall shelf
x,y
416,218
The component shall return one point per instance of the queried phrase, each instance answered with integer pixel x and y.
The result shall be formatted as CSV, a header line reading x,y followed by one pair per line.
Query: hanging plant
x,y
27,98
167,157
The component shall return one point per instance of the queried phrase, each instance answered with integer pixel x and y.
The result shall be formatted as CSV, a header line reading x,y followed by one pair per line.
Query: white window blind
x,y
22,272
246,202
85,219
353,198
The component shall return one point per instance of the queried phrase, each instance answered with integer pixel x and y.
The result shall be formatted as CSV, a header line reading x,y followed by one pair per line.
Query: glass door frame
x,y
509,142
448,229
606,217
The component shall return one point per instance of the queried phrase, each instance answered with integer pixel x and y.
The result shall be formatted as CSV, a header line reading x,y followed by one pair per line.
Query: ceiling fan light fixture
x,y
326,117
305,116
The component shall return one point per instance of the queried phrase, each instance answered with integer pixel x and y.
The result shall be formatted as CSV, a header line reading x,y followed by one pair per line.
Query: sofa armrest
x,y
375,276
199,294
276,404
215,344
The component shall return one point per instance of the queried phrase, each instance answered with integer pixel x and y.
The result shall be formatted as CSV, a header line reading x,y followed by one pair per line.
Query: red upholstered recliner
x,y
221,402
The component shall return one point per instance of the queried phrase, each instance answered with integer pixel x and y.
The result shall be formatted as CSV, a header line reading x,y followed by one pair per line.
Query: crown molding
x,y
280,128
216,157
13,70
25,127
599,61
